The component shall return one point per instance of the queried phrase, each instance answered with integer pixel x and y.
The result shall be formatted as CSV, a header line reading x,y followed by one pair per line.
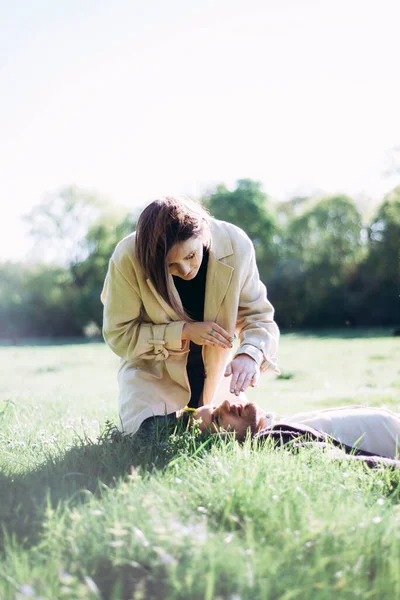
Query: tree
x,y
59,224
101,240
320,249
376,286
384,236
36,300
76,232
328,234
247,207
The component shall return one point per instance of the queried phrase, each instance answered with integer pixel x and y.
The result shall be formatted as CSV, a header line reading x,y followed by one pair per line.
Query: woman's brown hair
x,y
162,224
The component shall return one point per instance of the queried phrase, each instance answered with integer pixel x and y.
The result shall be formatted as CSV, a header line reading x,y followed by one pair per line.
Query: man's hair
x,y
162,224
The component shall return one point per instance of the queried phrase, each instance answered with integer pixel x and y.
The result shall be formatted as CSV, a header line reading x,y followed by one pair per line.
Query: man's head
x,y
230,417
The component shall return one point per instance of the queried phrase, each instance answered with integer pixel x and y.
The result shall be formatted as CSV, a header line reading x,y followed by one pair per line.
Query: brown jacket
x,y
141,328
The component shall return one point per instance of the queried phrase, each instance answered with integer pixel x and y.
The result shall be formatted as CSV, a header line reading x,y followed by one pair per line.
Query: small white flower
x,y
377,520
140,536
380,501
91,585
228,538
338,574
66,578
117,530
165,557
26,590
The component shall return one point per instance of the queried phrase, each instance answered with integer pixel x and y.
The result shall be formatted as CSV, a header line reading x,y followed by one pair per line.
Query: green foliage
x,y
329,234
89,274
59,224
247,207
58,296
384,236
321,248
376,285
36,300
322,266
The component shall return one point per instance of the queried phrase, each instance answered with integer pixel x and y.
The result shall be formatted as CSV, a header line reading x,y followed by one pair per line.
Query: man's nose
x,y
226,406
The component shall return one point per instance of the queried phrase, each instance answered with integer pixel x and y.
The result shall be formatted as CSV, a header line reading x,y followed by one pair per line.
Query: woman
x,y
175,293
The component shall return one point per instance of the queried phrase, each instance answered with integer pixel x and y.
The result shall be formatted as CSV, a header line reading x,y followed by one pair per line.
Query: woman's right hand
x,y
207,333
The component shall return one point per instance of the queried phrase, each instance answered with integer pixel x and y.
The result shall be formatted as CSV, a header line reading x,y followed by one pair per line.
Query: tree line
x,y
322,264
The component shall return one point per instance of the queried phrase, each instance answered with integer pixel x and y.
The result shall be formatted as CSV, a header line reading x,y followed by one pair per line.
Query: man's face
x,y
230,417
184,259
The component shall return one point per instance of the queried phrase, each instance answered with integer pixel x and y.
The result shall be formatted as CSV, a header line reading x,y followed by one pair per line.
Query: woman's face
x,y
230,417
184,259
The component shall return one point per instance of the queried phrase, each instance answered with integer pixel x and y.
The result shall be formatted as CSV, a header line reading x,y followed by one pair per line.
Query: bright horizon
x,y
135,101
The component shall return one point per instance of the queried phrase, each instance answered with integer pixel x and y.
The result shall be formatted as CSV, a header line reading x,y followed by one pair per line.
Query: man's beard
x,y
252,416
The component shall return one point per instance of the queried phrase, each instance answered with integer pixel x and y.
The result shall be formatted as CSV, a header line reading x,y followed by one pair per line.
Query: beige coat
x,y
141,328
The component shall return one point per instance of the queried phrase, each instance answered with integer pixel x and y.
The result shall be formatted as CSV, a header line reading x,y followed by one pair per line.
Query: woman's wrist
x,y
184,335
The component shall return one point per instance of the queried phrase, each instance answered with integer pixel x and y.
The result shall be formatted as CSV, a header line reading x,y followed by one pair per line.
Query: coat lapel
x,y
219,274
218,279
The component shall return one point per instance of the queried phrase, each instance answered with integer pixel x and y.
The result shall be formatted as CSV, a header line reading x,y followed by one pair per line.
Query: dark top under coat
x,y
192,294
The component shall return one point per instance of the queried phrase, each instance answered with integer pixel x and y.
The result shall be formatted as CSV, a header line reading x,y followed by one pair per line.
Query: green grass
x,y
85,517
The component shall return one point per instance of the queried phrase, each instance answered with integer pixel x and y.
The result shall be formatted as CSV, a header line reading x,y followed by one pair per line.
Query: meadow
x,y
86,516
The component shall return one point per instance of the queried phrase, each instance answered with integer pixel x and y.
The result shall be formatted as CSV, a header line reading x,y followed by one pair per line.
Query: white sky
x,y
137,99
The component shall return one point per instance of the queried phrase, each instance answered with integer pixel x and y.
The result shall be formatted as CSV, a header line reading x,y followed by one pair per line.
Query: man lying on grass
x,y
367,430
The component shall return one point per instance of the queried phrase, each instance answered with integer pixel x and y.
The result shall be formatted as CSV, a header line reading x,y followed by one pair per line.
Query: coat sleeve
x,y
258,332
123,329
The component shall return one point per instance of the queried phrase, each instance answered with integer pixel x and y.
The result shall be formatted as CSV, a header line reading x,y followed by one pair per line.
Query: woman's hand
x,y
244,371
207,333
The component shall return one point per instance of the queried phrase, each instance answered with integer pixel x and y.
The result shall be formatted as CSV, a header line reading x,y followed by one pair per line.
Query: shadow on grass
x,y
127,581
83,470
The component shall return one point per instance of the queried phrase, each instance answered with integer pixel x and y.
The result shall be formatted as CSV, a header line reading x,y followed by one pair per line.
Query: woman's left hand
x,y
244,371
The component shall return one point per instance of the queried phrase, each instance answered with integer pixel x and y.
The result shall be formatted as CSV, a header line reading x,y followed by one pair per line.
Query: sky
x,y
134,100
